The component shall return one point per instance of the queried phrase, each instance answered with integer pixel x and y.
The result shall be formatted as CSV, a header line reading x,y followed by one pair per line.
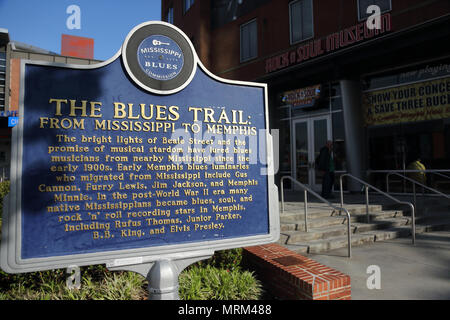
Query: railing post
x,y
349,236
282,195
415,197
413,224
342,192
387,183
306,210
367,203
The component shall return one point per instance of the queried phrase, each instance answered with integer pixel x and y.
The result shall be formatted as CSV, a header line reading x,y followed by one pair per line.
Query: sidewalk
x,y
407,272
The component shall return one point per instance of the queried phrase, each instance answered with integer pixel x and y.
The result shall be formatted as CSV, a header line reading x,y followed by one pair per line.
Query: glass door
x,y
321,132
310,135
301,152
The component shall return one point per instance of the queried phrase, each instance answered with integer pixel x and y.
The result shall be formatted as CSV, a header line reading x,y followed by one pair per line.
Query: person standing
x,y
420,176
325,165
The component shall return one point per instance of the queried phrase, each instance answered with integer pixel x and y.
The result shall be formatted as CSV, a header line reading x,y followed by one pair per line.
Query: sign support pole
x,y
162,274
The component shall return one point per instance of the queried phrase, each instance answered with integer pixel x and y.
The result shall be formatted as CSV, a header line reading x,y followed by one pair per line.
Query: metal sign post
x,y
162,274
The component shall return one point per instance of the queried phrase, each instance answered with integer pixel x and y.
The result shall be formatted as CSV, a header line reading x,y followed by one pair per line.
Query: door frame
x,y
311,147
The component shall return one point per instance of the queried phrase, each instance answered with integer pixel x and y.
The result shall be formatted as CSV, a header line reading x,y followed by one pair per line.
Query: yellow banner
x,y
429,100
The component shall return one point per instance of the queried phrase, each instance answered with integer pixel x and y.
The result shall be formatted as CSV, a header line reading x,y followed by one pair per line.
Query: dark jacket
x,y
323,160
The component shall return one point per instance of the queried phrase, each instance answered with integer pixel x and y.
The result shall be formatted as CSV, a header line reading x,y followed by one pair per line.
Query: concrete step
x,y
297,222
376,215
313,234
365,237
434,205
292,236
322,245
297,213
299,225
437,225
294,207
328,230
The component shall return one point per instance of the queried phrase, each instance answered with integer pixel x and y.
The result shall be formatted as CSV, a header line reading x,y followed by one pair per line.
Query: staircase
x,y
327,230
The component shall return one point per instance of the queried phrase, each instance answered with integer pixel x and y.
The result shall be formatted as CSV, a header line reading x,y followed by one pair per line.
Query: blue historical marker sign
x,y
144,154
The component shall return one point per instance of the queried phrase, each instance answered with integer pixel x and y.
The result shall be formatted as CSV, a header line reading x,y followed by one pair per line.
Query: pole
x,y
306,211
163,281
161,271
367,203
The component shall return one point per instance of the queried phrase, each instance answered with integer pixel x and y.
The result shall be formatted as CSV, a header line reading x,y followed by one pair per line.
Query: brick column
x,y
291,276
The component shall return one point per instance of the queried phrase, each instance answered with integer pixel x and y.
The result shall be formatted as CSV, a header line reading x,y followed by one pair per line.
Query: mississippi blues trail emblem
x,y
160,57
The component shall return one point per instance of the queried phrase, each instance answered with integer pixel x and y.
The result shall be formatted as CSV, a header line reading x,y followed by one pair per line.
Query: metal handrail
x,y
306,190
437,172
414,182
440,174
367,186
409,170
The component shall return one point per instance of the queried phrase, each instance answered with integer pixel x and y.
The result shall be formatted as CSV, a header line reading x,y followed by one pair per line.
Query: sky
x,y
42,22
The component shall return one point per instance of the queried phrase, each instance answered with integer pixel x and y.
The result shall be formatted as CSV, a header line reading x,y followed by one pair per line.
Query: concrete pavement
x,y
406,272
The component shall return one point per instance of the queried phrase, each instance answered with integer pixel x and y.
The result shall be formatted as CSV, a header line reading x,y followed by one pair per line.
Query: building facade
x,y
11,54
374,80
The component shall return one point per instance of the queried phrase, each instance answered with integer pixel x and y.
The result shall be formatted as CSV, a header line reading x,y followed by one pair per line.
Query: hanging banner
x,y
429,100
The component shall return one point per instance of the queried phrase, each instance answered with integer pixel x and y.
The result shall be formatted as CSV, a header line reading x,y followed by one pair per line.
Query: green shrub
x,y
209,283
225,259
4,190
96,284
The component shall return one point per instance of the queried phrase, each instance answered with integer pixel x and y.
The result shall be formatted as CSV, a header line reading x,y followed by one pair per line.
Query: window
x,y
169,16
301,20
187,4
249,41
2,79
385,5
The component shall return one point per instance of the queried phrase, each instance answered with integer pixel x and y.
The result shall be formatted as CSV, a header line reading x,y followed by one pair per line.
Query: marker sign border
x,y
10,249
130,60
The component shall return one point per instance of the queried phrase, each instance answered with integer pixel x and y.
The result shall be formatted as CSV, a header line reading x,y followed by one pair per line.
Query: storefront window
x,y
336,103
407,118
395,147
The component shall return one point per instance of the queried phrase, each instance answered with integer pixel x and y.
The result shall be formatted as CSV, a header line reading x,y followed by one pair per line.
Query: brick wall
x,y
291,276
14,84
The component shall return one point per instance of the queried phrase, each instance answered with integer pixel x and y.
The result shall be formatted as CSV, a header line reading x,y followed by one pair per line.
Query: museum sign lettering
x,y
331,43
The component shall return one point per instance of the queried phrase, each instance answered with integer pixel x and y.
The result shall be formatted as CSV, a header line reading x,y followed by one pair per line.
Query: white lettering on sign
x,y
74,20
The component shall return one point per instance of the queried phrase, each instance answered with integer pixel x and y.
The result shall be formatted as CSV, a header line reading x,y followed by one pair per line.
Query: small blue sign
x,y
13,121
160,57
